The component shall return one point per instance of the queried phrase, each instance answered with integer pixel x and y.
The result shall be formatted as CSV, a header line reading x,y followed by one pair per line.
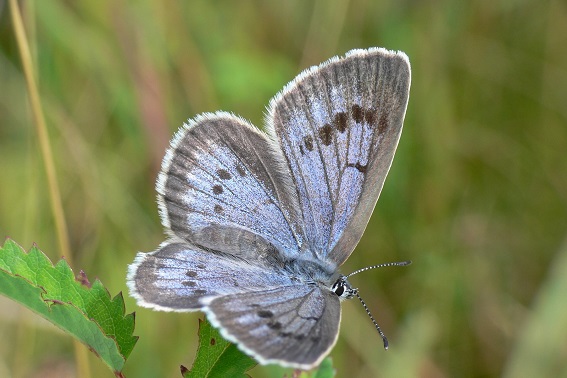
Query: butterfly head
x,y
342,289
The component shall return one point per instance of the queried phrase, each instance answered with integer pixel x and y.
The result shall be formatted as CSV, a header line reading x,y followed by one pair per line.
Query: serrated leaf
x,y
217,357
85,311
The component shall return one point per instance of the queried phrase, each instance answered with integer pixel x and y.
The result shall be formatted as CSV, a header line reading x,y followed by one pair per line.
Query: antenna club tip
x,y
385,344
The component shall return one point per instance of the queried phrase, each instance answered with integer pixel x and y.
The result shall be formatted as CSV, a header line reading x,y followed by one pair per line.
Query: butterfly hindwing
x,y
292,325
338,126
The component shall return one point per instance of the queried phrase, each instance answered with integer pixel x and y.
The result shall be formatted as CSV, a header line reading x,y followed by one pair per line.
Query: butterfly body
x,y
259,223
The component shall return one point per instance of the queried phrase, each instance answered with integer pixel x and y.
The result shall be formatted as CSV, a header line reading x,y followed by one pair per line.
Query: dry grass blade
x,y
81,357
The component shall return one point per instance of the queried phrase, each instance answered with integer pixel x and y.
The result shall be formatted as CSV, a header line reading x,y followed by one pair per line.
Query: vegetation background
x,y
477,195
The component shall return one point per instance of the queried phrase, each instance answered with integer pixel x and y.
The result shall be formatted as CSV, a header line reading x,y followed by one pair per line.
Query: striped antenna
x,y
399,263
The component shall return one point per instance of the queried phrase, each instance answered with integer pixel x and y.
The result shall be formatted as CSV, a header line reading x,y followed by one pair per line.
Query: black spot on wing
x,y
357,113
340,122
224,174
265,314
361,168
275,325
370,117
217,189
218,209
191,273
326,134
308,141
189,283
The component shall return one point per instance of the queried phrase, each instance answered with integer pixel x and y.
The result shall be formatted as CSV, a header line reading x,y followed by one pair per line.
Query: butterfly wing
x,y
181,277
293,326
338,126
223,187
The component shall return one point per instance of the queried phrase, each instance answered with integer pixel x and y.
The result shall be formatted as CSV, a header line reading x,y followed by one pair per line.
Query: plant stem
x,y
81,356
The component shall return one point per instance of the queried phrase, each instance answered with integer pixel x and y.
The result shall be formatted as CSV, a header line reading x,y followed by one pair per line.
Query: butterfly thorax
x,y
310,270
317,272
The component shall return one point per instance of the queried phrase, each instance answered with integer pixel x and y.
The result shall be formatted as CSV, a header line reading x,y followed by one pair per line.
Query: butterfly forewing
x,y
338,126
222,187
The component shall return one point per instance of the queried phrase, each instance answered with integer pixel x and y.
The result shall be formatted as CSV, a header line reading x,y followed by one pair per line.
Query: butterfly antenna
x,y
384,338
398,263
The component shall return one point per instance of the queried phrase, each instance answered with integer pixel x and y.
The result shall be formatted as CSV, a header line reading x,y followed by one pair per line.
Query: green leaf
x,y
217,357
85,311
325,370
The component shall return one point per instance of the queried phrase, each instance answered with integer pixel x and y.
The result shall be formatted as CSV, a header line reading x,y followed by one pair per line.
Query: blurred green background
x,y
476,197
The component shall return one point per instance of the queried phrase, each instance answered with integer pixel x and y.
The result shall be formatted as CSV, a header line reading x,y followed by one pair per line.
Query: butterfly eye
x,y
342,289
339,288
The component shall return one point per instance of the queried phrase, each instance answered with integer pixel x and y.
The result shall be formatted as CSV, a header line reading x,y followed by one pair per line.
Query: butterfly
x,y
258,223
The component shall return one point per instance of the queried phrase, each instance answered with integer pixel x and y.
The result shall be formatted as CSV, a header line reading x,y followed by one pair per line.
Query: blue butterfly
x,y
259,223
